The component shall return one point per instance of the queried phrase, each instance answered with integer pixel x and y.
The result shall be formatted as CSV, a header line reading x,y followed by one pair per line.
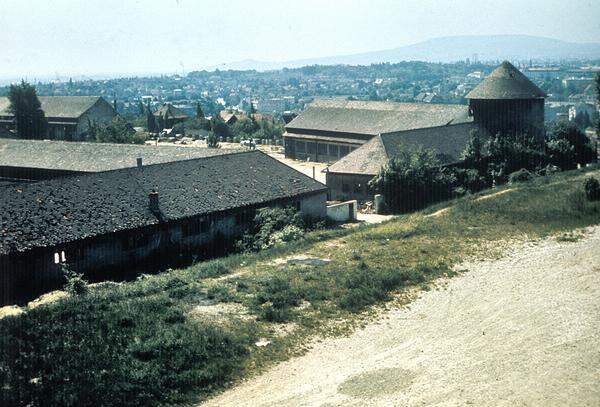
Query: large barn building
x,y
360,137
68,117
124,219
329,129
348,178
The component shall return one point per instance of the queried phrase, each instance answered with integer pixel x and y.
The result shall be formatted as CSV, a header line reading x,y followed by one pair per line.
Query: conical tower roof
x,y
506,82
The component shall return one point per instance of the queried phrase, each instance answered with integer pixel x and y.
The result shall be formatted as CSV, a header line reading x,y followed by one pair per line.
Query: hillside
x,y
449,49
182,335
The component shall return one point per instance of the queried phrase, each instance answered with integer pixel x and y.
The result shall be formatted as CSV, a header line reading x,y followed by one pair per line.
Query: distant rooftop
x,y
373,118
171,112
92,157
64,107
506,82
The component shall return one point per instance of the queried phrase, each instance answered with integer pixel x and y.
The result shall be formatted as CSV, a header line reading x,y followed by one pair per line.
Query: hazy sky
x,y
71,37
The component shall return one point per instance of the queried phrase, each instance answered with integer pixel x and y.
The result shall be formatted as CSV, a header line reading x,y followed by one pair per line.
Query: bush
x,y
268,221
568,146
412,180
520,176
75,284
275,297
591,186
289,233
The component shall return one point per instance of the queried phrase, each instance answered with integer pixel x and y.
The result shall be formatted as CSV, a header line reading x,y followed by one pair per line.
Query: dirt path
x,y
523,330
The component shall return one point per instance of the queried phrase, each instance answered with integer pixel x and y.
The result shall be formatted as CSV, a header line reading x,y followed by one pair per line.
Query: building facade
x,y
329,129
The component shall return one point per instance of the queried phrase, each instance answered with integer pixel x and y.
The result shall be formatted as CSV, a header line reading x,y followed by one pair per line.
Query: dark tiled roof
x,y
64,107
62,210
170,112
372,118
506,82
448,141
91,157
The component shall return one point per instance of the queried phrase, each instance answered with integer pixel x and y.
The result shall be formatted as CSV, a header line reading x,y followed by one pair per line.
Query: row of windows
x,y
307,147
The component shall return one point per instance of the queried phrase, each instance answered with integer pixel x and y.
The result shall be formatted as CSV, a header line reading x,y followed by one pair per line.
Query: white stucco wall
x,y
342,212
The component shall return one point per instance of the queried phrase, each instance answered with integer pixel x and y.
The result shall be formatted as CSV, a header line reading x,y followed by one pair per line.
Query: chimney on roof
x,y
139,162
153,202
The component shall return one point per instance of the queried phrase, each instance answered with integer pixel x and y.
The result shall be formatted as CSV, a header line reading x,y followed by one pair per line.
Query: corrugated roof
x,y
372,118
92,157
62,210
506,82
66,107
448,141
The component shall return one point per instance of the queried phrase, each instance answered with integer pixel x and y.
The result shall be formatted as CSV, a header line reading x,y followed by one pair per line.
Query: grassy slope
x,y
152,341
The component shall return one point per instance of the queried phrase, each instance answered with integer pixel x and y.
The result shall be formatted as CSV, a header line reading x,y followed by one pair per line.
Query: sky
x,y
50,38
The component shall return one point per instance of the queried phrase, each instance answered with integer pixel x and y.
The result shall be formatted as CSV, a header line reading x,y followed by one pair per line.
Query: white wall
x,y
342,212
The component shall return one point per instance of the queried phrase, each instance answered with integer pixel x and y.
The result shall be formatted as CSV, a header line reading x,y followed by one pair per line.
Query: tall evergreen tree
x,y
199,112
30,120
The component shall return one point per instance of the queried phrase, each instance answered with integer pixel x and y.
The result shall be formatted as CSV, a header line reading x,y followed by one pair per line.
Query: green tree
x,y
568,146
199,112
509,153
30,120
412,180
219,127
473,154
212,141
117,131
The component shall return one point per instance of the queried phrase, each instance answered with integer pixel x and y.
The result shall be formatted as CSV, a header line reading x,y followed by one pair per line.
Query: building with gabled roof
x,y
348,178
129,217
68,117
328,129
168,116
21,159
507,102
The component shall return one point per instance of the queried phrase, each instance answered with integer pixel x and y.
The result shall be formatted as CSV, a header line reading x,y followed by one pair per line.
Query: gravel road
x,y
522,330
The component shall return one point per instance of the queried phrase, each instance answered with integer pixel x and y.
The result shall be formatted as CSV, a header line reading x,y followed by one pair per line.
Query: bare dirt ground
x,y
522,330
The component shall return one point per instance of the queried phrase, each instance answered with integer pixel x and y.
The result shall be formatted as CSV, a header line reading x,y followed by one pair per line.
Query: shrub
x,y
75,284
266,222
520,176
568,146
412,180
591,186
275,298
289,233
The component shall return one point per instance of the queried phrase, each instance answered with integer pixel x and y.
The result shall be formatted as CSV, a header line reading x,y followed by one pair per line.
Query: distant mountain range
x,y
448,49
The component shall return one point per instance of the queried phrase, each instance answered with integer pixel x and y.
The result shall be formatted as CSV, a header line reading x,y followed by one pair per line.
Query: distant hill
x,y
449,49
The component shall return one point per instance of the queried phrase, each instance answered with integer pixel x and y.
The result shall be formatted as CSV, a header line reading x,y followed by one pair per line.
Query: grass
x,y
151,341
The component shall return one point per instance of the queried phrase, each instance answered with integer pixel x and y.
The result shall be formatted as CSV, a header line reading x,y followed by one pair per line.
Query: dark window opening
x,y
322,149
333,150
344,150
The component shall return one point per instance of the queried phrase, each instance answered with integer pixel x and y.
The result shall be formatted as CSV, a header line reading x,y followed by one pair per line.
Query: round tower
x,y
507,102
